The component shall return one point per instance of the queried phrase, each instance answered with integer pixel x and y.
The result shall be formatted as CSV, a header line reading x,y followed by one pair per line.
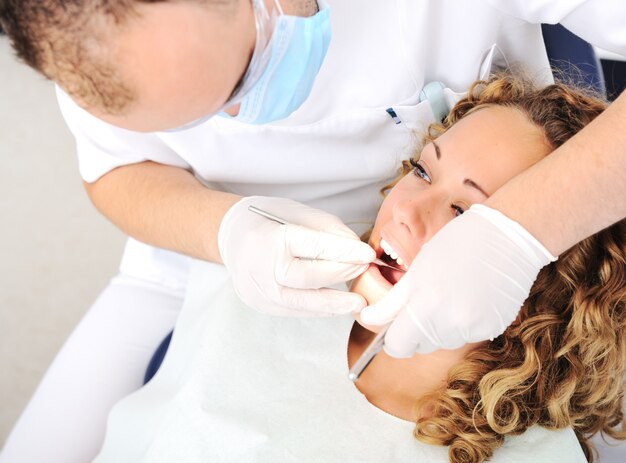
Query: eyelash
x,y
421,173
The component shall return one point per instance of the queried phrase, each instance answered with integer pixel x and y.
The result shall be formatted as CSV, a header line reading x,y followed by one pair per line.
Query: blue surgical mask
x,y
297,49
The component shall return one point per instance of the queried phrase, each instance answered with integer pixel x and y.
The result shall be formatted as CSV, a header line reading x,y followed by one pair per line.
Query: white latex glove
x,y
285,269
467,284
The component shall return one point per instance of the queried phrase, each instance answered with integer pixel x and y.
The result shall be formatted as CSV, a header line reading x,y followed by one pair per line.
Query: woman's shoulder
x,y
538,445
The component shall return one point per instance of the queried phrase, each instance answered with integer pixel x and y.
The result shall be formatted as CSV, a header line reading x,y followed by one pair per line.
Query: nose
x,y
422,216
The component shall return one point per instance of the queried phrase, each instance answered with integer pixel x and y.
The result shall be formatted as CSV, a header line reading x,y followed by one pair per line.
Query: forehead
x,y
172,55
495,127
495,143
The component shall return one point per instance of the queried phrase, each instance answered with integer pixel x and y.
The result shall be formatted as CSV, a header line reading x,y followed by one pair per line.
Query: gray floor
x,y
56,252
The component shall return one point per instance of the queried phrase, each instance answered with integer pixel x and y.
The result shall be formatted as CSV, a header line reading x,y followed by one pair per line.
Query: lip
x,y
378,277
377,249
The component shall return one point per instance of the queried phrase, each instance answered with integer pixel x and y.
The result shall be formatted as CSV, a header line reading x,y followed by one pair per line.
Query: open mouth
x,y
389,256
391,275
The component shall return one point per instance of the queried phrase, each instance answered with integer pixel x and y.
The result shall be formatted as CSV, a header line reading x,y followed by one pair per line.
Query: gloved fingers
x,y
386,310
404,338
305,242
306,273
271,262
321,301
379,315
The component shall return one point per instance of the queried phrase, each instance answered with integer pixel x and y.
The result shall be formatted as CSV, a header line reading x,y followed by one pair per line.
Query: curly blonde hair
x,y
561,364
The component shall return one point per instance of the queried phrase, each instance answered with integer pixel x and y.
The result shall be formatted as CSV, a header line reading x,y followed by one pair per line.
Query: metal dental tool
x,y
368,355
377,344
269,216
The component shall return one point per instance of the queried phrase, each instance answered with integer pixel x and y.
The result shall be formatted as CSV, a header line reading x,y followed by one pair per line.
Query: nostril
x,y
407,215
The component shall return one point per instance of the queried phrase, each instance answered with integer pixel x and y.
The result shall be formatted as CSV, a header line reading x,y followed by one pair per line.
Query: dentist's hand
x,y
285,269
467,284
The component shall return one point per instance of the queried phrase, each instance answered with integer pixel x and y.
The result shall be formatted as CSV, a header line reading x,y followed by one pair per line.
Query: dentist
x,y
186,112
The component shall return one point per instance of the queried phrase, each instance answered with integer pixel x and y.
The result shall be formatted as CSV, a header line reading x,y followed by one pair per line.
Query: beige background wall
x,y
56,252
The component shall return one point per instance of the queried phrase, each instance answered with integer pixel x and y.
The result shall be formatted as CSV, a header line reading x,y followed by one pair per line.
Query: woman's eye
x,y
458,210
419,171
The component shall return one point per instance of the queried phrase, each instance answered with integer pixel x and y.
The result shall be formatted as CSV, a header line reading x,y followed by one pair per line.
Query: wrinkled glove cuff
x,y
515,232
223,231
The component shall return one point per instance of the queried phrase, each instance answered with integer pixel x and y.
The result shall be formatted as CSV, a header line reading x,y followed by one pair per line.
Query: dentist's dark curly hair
x,y
66,41
562,362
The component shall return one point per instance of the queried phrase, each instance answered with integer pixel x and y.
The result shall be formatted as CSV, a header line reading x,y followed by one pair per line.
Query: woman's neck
x,y
394,385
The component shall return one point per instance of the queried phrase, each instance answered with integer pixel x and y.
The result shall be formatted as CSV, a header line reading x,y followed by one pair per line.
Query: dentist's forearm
x,y
163,206
575,191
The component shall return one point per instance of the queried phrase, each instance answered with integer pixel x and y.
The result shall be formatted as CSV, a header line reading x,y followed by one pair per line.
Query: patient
x,y
561,363
237,385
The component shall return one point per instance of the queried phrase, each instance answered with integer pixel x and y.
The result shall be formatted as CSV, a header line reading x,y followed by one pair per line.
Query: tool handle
x,y
267,215
368,355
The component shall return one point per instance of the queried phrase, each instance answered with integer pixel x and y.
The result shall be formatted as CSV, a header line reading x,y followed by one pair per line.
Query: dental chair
x,y
572,58
569,55
157,358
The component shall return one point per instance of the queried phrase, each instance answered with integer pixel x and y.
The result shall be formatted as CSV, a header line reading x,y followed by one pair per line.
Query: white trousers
x,y
103,360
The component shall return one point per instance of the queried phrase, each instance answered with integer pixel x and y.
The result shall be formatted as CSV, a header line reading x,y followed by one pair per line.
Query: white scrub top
x,y
341,145
239,386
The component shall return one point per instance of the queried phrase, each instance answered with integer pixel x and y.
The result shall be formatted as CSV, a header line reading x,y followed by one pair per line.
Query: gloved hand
x,y
285,269
467,284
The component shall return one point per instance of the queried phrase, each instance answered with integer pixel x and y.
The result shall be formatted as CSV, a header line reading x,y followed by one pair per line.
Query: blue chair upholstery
x,y
157,358
574,58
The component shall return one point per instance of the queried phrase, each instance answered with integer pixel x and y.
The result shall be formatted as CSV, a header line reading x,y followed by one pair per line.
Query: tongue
x,y
391,275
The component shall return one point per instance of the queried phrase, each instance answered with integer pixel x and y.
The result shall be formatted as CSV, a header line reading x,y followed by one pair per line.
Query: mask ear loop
x,y
280,10
264,28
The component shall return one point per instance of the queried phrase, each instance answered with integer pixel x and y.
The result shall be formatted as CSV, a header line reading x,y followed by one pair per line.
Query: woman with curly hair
x,y
561,363
277,391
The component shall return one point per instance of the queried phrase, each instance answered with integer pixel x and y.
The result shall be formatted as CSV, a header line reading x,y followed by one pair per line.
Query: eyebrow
x,y
437,150
467,181
473,184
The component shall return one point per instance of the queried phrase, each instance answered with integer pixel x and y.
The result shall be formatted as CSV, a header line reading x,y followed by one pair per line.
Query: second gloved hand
x,y
286,269
467,284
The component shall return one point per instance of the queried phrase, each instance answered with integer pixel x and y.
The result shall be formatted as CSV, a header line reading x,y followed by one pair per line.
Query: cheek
x,y
385,213
384,216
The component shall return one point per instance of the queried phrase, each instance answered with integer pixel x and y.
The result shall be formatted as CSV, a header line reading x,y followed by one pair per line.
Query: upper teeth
x,y
390,252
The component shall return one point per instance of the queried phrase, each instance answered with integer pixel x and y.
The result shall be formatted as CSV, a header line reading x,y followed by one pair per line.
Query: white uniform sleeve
x,y
102,147
599,22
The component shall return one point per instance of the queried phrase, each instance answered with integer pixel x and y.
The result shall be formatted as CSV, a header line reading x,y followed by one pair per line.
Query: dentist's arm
x,y
278,269
576,191
163,206
470,280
